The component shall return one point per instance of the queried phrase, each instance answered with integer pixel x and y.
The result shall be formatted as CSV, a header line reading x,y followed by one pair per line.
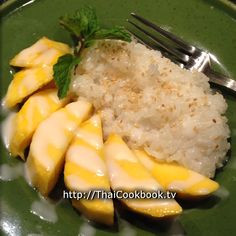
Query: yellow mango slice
x,y
85,171
25,83
36,109
50,142
43,52
174,177
126,173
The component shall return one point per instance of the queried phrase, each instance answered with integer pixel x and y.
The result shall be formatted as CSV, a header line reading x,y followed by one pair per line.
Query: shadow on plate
x,y
167,226
205,203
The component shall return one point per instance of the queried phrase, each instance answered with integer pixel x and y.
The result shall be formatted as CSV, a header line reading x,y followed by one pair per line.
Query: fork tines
x,y
180,56
179,51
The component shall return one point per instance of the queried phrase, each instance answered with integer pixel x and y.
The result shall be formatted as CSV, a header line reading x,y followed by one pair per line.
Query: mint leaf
x,y
113,33
89,23
82,24
84,28
88,43
62,71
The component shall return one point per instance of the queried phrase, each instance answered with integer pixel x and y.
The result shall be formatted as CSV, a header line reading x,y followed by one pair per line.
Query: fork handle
x,y
222,80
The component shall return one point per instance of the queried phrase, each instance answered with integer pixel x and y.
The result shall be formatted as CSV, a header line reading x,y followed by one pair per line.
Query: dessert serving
x,y
111,114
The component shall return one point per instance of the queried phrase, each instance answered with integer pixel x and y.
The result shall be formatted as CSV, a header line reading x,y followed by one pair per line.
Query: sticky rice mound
x,y
154,104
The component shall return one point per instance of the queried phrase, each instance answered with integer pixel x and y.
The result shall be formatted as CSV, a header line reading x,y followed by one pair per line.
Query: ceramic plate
x,y
208,24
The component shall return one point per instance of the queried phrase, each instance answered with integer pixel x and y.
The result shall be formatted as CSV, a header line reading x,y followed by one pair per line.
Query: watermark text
x,y
118,194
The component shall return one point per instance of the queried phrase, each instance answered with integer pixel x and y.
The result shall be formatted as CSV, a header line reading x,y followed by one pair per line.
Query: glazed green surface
x,y
207,24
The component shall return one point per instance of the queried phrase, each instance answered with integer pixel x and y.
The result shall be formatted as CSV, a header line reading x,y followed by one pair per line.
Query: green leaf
x,y
82,24
62,71
88,43
113,33
89,21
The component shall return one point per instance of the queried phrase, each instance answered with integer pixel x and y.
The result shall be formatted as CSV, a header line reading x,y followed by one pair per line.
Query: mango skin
x,y
173,177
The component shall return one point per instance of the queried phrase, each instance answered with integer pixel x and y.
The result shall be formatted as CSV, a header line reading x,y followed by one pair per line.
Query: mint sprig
x,y
82,24
84,28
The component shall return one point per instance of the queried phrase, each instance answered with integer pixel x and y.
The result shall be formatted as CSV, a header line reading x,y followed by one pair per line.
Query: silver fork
x,y
183,53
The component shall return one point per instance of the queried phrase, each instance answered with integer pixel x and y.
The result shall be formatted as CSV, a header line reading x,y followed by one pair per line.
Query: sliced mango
x,y
174,177
85,170
126,173
43,52
26,82
36,109
50,142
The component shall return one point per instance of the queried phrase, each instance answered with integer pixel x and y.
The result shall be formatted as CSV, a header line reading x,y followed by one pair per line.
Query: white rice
x,y
154,104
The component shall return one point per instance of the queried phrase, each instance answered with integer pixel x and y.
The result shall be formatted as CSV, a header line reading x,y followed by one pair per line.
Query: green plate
x,y
208,24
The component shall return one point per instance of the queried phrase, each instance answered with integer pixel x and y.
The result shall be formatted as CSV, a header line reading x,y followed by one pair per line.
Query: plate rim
x,y
16,4
11,5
